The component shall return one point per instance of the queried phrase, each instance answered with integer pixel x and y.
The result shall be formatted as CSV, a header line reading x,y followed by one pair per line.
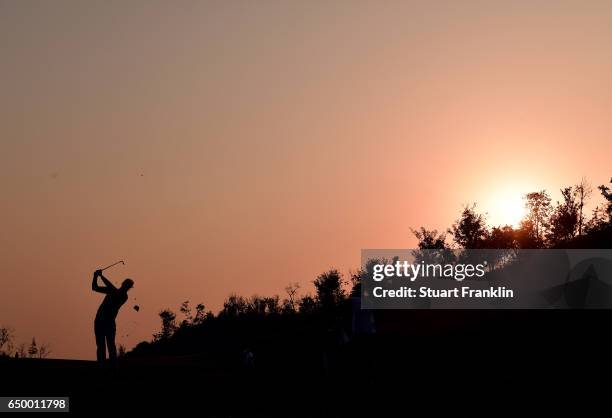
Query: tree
x,y
598,220
583,191
272,306
501,237
432,246
525,235
356,279
186,311
470,230
6,341
32,349
200,314
565,218
430,239
44,351
21,350
289,304
256,306
601,217
262,306
330,292
607,195
538,213
599,227
168,328
234,306
307,304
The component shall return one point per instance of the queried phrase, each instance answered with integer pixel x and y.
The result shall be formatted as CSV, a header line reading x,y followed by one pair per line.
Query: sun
x,y
506,208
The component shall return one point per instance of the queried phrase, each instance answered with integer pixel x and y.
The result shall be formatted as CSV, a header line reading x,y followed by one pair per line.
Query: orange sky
x,y
240,146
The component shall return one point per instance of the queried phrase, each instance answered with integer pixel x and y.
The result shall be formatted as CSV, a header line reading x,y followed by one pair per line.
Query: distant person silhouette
x,y
104,325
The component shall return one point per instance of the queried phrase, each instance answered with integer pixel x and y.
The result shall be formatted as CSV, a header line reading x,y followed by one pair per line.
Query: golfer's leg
x,y
100,342
110,340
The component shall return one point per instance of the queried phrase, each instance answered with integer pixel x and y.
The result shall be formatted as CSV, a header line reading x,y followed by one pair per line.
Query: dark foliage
x,y
316,328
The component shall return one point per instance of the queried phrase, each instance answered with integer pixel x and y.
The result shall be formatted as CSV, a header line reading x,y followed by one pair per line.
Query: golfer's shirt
x,y
111,304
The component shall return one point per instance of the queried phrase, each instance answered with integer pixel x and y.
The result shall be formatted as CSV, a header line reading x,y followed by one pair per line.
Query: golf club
x,y
114,264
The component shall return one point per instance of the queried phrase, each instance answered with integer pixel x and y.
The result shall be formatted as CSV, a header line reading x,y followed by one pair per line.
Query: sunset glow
x,y
507,208
224,147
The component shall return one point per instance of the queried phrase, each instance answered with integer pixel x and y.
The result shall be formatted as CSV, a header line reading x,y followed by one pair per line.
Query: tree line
x,y
22,350
564,224
320,322
326,315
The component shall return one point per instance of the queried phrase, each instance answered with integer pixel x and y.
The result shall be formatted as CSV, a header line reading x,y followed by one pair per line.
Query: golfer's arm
x,y
108,283
96,287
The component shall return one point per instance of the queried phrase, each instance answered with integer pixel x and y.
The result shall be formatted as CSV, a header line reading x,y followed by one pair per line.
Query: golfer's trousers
x,y
105,331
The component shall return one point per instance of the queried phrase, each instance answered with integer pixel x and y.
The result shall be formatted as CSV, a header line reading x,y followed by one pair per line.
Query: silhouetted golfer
x,y
104,325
